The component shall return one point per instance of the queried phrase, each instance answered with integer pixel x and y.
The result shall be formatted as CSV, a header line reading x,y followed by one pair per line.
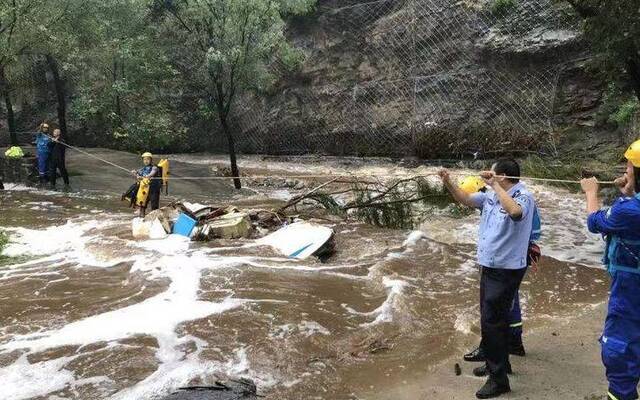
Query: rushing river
x,y
87,312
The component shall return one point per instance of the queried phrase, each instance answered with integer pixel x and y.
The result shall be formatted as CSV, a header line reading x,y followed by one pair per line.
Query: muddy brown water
x,y
90,313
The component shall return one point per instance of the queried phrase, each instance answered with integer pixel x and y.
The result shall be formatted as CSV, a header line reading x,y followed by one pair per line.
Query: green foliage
x,y
329,203
149,131
236,42
625,113
394,212
539,167
613,28
502,6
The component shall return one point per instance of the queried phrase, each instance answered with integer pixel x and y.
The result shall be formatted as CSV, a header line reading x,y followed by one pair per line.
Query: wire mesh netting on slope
x,y
432,78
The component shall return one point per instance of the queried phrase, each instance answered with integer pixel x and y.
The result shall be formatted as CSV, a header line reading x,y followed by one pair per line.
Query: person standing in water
x,y
43,151
505,230
57,160
620,224
154,175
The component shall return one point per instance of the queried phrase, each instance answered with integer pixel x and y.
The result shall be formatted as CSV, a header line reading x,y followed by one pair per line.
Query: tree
x,y
613,28
16,35
234,42
121,74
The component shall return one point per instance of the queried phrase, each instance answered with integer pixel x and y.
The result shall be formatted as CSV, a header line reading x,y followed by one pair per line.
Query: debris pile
x,y
291,237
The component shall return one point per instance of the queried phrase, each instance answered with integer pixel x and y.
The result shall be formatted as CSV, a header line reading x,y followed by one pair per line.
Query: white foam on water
x,y
384,313
16,187
70,237
413,238
157,316
22,380
280,194
465,320
310,328
172,244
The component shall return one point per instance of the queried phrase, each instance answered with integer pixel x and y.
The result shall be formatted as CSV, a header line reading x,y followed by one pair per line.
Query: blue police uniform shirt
x,y
503,241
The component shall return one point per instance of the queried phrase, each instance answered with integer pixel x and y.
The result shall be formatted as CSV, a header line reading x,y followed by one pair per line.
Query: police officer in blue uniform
x,y
620,224
504,234
516,346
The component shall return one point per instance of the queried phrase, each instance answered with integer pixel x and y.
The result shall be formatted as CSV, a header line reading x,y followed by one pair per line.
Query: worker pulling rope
x,y
323,176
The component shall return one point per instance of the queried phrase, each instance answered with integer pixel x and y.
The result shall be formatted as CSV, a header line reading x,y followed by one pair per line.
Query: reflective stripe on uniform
x,y
515,325
611,396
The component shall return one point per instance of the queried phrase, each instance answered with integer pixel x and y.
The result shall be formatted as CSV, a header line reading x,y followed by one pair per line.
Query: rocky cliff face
x,y
433,78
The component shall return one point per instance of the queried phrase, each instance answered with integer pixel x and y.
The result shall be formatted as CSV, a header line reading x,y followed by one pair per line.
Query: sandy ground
x,y
562,362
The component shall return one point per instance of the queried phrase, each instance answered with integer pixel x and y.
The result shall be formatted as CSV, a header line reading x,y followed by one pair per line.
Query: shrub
x,y
625,113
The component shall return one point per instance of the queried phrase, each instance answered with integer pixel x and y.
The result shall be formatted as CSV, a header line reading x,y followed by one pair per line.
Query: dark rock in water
x,y
232,390
19,170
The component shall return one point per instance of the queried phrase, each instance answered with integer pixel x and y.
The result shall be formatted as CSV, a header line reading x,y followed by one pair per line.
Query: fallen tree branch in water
x,y
299,198
387,203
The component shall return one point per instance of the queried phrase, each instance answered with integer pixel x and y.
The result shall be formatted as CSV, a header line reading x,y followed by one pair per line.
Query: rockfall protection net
x,y
433,78
427,78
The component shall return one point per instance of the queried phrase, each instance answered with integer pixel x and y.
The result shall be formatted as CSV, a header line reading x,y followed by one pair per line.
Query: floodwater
x,y
88,312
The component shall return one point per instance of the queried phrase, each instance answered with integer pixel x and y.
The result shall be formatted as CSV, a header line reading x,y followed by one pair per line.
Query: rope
x,y
323,176
90,155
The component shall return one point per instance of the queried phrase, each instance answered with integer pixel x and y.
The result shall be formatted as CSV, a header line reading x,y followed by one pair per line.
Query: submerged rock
x,y
231,390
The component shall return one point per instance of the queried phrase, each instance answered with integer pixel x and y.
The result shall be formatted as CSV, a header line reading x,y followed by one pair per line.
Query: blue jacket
x,y
621,225
42,143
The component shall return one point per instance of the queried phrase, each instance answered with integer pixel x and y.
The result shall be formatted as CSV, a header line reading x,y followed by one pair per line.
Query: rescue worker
x,y
154,174
505,230
43,151
471,185
57,160
620,224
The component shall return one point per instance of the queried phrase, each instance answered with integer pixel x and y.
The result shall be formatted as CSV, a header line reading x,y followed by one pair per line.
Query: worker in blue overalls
x,y
43,151
621,226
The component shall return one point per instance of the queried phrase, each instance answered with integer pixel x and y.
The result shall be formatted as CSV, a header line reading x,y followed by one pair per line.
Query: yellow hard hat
x,y
633,153
471,184
147,154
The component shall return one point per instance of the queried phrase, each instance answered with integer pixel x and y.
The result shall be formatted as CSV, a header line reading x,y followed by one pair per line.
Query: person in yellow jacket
x,y
150,185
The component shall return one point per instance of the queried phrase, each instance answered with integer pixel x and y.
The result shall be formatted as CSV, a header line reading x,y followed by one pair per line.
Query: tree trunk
x,y
11,121
117,104
60,95
633,70
232,152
